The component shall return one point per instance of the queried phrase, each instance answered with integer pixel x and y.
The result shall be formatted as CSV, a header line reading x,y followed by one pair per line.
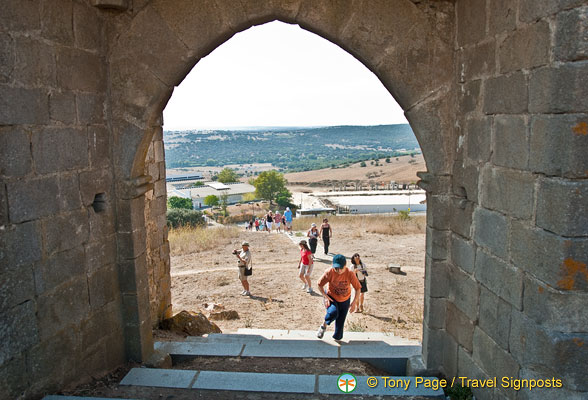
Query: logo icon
x,y
347,383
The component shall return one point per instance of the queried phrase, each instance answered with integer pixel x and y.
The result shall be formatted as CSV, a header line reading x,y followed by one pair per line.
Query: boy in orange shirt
x,y
337,298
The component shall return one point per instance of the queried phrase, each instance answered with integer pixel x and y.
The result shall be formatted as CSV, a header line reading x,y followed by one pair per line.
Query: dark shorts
x,y
363,286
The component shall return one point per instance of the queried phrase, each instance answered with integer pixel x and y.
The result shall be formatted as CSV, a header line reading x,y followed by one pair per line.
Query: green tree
x,y
224,202
362,164
177,217
268,184
197,184
179,202
284,198
211,200
227,175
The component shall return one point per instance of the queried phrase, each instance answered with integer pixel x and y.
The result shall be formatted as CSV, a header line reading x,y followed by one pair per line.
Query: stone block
x,y
463,253
464,292
60,149
553,309
436,278
477,61
133,274
3,207
102,223
80,70
562,355
23,106
559,89
437,243
555,260
438,211
471,21
491,231
131,244
19,245
18,330
100,253
152,170
506,94
469,95
95,182
20,15
502,16
100,324
510,142
559,144
69,192
90,108
491,357
508,191
571,35
103,286
434,312
461,216
99,145
494,318
546,393
478,139
15,158
88,28
66,231
527,47
7,52
562,206
467,367
460,326
62,107
66,305
34,63
465,181
56,21
32,199
133,214
42,366
501,278
59,268
159,188
530,10
13,381
433,340
18,286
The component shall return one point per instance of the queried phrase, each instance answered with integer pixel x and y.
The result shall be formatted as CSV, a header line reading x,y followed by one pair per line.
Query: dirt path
x,y
393,304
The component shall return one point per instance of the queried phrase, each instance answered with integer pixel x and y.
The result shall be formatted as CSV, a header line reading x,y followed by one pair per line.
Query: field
x,y
204,271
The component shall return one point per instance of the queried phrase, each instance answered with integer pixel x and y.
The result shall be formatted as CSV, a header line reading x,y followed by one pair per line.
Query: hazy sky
x,y
279,75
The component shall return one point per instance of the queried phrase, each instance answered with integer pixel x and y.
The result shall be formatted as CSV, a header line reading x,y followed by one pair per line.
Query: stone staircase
x,y
385,352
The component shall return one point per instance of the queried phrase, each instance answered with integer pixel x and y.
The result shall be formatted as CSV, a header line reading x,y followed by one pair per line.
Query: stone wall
x,y
60,310
513,285
494,90
157,249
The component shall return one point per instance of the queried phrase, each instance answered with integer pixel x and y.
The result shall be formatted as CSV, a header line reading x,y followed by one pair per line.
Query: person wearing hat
x,y
337,298
305,266
288,217
244,262
313,234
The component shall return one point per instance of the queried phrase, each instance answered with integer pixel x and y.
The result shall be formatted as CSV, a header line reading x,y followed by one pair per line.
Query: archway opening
x,y
359,135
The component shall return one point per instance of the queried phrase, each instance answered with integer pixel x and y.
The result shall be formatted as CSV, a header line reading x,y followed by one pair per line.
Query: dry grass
x,y
188,240
386,225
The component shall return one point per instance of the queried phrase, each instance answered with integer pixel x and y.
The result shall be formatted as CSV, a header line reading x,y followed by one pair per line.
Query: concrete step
x,y
279,383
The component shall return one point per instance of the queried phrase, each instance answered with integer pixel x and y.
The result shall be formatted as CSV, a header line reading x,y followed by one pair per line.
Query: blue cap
x,y
339,261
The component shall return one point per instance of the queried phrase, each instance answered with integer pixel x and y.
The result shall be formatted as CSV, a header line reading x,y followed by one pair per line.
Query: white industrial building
x,y
235,192
371,203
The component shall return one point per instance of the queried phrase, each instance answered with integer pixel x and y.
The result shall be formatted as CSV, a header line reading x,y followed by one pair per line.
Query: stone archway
x,y
164,41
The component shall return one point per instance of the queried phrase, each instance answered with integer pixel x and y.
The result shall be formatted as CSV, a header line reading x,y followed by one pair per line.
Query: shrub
x,y
403,215
177,217
362,164
179,202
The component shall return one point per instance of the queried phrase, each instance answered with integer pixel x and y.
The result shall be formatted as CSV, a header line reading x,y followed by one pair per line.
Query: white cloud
x,y
279,75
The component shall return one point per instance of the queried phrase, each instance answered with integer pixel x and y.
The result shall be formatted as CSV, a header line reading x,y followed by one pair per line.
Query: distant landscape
x,y
288,149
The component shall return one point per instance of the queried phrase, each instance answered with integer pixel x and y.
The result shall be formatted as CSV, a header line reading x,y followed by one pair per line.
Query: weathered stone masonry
x,y
495,90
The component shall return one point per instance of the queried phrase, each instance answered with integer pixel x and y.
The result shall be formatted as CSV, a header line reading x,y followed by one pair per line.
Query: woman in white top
x,y
358,267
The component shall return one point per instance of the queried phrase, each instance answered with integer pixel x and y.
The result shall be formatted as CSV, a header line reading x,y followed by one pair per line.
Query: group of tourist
x,y
335,285
272,221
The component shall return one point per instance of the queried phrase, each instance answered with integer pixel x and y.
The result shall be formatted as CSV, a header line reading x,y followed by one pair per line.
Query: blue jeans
x,y
337,312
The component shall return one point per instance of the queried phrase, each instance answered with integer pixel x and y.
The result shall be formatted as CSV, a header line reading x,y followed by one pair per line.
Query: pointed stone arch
x,y
156,49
